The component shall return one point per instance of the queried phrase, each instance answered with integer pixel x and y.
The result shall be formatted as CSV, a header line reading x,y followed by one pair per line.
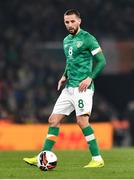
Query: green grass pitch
x,y
119,164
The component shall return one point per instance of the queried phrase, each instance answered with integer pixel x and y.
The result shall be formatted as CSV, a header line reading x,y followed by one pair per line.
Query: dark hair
x,y
72,11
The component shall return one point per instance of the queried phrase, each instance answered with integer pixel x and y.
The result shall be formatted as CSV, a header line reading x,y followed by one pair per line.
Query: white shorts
x,y
71,99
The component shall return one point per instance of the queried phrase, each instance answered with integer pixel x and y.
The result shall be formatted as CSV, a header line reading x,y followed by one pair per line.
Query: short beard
x,y
74,32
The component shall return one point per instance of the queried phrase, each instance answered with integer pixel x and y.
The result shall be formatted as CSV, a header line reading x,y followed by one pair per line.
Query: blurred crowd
x,y
43,20
28,82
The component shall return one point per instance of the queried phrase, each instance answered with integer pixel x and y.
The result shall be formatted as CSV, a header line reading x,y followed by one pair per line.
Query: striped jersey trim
x,y
90,137
95,51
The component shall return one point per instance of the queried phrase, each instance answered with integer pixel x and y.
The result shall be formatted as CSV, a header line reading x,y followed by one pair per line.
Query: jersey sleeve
x,y
98,56
93,45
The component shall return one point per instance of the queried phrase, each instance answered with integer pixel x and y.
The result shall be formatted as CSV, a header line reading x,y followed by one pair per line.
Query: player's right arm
x,y
61,82
65,72
62,79
64,76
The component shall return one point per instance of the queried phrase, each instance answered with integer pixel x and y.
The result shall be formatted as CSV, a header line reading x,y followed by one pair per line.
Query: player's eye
x,y
72,21
66,22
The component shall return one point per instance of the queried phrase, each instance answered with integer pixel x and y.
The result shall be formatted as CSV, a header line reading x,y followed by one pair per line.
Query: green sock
x,y
91,140
51,138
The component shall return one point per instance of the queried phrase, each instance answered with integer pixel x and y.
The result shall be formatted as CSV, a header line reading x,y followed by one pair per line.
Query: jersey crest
x,y
79,44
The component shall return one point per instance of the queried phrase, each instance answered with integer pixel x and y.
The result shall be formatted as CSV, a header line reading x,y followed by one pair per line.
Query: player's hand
x,y
85,84
61,82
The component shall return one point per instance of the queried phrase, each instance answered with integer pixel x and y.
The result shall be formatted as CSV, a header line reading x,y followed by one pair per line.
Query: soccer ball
x,y
46,160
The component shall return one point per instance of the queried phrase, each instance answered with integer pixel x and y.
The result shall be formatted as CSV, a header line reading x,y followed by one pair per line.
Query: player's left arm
x,y
98,58
100,63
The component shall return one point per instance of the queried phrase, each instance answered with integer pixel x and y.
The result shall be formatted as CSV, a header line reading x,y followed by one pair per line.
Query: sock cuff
x,y
87,130
53,131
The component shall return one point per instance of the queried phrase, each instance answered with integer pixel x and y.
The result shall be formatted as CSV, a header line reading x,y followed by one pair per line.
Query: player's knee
x,y
52,121
79,122
82,121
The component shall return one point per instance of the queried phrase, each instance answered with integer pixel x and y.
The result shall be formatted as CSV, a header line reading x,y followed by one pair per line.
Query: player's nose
x,y
70,24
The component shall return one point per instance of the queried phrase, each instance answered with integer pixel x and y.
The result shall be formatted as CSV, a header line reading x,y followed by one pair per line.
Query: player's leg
x,y
53,131
62,108
88,132
83,107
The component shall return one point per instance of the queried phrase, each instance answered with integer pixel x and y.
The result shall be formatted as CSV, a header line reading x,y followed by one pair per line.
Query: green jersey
x,y
79,50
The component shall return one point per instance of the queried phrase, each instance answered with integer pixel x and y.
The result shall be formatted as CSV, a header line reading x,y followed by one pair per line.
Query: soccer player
x,y
84,61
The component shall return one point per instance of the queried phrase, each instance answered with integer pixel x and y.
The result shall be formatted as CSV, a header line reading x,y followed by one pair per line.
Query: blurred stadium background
x,y
32,61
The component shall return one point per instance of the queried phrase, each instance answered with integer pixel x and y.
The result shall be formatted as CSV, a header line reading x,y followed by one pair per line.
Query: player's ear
x,y
79,21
